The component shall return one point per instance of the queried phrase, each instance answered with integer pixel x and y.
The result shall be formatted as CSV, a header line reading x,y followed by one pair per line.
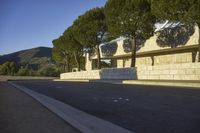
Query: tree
x,y
56,52
8,68
178,10
24,71
73,46
61,53
12,68
3,70
89,29
130,18
49,70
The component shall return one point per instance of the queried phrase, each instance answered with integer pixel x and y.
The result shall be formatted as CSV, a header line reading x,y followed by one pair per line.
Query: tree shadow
x,y
177,36
140,41
92,52
109,49
118,73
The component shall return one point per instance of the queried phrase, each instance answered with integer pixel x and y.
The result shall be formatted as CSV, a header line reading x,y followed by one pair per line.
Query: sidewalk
x,y
20,113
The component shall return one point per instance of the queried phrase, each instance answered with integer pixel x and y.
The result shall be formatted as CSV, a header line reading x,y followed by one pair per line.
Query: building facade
x,y
170,46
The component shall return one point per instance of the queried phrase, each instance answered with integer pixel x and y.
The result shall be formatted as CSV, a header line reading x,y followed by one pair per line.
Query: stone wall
x,y
107,73
184,71
178,58
118,73
123,58
88,62
151,44
92,74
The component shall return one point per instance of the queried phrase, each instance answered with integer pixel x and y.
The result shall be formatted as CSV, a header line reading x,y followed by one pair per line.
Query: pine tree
x,y
73,46
89,29
130,18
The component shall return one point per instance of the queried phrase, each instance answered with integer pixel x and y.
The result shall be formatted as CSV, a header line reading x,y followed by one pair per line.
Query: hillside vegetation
x,y
31,62
34,57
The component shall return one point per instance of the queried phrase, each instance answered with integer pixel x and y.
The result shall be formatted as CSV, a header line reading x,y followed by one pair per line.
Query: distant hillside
x,y
34,57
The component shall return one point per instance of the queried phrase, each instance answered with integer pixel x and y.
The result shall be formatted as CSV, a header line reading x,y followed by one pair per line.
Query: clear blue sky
x,y
32,23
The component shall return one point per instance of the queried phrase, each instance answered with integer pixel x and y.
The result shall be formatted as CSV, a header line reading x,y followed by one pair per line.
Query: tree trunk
x,y
76,60
199,43
65,65
67,60
98,58
133,55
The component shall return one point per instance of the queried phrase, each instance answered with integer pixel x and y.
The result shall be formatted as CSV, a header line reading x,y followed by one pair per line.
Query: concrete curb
x,y
163,83
72,80
84,122
194,84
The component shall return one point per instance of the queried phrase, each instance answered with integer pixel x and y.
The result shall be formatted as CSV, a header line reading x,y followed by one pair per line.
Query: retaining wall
x,y
91,74
175,58
118,73
184,71
106,73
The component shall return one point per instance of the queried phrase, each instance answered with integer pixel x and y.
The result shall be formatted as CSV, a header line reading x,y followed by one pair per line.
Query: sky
x,y
27,24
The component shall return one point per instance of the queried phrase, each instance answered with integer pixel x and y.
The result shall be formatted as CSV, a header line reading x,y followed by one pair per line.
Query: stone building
x,y
169,46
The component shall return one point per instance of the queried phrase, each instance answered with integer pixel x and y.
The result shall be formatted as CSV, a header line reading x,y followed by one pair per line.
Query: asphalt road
x,y
142,109
19,113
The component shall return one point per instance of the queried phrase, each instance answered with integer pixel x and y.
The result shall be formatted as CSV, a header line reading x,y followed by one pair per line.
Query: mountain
x,y
34,57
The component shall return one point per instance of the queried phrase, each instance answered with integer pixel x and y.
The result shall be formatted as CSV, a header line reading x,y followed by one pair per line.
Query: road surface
x,y
20,113
142,109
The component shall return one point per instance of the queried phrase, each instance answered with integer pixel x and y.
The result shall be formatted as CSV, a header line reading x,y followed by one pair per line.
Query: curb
x,y
72,80
193,84
82,121
163,83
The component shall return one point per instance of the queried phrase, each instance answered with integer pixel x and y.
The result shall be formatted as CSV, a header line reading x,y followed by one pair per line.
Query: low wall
x,y
184,71
92,74
106,73
118,73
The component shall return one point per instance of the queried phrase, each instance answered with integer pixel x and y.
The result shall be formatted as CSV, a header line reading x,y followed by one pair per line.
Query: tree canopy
x,y
8,68
90,28
60,53
130,18
177,10
57,51
65,48
74,47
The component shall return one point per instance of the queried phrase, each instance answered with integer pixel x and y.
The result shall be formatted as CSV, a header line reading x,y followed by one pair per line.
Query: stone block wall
x,y
159,60
118,73
88,62
184,71
107,73
151,44
120,63
123,58
92,74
